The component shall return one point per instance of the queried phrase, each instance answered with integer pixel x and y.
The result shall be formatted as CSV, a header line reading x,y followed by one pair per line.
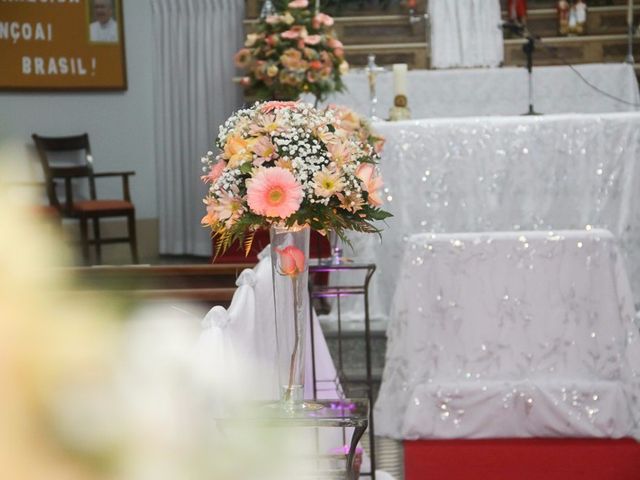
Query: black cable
x,y
554,51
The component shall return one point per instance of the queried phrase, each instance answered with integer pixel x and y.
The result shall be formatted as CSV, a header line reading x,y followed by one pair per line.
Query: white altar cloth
x,y
497,91
518,334
503,174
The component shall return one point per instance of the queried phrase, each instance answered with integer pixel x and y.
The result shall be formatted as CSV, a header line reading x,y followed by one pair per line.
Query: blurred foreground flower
x,y
87,396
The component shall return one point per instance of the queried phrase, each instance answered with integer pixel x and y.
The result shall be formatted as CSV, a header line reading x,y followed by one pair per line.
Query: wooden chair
x,y
92,209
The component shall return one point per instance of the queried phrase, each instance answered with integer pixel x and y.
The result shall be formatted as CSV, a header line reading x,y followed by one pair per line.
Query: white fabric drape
x,y
195,41
246,331
465,33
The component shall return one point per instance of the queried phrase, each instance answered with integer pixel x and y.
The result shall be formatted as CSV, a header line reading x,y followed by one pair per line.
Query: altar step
x,y
586,49
346,8
523,459
339,8
394,37
401,28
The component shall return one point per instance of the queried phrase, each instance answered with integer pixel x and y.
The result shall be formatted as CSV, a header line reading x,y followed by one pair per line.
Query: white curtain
x,y
465,33
194,93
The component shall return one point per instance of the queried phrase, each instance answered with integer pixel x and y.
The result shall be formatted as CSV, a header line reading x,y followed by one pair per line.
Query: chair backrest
x,y
56,168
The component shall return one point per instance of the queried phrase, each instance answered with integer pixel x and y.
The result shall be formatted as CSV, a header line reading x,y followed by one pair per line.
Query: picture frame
x,y
63,46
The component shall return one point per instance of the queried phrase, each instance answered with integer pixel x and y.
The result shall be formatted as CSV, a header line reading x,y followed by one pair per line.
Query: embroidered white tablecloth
x,y
520,334
503,174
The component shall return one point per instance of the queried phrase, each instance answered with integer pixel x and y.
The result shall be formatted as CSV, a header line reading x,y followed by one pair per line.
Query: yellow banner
x,y
62,45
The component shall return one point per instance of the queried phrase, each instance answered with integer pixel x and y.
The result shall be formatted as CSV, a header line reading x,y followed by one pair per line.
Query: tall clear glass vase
x,y
290,269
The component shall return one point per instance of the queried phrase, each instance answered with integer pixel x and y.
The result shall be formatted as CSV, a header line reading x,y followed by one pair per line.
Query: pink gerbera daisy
x,y
274,192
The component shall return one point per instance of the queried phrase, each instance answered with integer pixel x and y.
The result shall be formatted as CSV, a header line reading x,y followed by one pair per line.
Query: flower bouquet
x,y
291,53
290,167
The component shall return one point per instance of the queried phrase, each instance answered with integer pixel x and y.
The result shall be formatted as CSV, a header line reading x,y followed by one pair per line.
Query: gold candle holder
x,y
400,110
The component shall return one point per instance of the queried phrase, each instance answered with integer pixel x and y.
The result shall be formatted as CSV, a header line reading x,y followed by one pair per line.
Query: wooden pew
x,y
207,285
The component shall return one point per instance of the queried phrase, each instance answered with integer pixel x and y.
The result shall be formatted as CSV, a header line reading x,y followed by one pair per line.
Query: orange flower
x,y
211,218
272,70
351,203
378,144
214,173
251,40
272,40
312,77
299,4
291,58
371,182
312,39
295,32
321,19
292,262
310,53
236,150
275,105
264,149
243,58
340,152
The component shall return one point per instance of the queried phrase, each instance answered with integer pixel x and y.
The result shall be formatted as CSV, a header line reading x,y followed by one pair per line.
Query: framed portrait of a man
x,y
103,18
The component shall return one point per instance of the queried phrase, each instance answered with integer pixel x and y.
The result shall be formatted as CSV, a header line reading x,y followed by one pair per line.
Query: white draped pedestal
x,y
498,91
465,33
503,174
526,334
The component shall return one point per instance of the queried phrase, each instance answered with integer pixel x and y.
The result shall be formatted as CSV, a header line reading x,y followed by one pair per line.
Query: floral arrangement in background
x,y
291,53
289,164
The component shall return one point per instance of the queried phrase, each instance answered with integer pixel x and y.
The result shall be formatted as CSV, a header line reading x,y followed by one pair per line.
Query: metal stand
x,y
337,292
629,57
372,73
528,48
344,413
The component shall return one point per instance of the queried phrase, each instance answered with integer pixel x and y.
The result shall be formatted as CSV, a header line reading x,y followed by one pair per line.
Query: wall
x,y
120,124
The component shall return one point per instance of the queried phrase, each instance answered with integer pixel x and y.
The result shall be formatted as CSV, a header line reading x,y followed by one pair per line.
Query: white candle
x,y
400,78
630,12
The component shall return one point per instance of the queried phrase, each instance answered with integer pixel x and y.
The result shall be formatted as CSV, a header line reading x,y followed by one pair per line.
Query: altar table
x,y
505,174
498,91
515,334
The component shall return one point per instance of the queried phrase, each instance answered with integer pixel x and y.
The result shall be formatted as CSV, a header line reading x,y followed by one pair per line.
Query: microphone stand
x,y
528,49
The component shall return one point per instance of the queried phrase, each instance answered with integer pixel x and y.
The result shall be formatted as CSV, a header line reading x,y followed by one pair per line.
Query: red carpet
x,y
522,459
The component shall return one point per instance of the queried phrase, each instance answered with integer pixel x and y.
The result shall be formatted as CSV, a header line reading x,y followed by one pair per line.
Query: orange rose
x,y
292,262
